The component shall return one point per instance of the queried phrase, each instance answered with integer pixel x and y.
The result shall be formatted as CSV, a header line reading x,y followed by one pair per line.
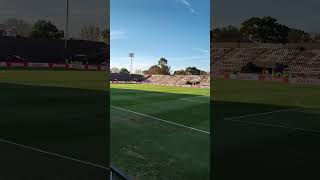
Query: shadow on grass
x,y
70,122
254,151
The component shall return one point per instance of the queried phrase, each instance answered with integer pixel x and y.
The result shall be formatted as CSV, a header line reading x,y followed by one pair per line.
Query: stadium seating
x,y
305,63
167,80
126,77
180,80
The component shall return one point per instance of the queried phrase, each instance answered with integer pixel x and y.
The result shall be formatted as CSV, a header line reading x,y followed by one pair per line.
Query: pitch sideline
x,y
234,119
55,154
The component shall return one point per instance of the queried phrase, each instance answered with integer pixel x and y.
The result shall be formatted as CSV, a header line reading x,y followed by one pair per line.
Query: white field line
x,y
55,154
311,107
162,120
233,119
314,132
264,113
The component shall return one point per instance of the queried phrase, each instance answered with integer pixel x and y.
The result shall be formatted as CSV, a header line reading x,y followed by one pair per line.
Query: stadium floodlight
x,y
66,36
131,55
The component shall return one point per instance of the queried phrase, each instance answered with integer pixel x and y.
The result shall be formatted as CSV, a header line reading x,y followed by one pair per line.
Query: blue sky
x,y
177,30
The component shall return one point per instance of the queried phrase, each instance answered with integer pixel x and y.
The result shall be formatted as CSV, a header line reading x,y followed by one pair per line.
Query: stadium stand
x,y
167,80
180,80
53,51
126,77
300,62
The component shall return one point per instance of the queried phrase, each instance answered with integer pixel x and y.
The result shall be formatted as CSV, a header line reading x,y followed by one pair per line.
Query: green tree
x,y
164,68
46,30
153,70
193,71
265,30
162,62
124,71
226,34
180,72
161,68
203,73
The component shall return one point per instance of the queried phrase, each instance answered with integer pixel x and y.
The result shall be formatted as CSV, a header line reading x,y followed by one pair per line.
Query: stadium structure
x,y
201,81
289,63
42,53
53,51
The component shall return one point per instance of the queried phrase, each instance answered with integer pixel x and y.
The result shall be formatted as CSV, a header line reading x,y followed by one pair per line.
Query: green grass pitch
x,y
61,112
260,130
146,147
265,130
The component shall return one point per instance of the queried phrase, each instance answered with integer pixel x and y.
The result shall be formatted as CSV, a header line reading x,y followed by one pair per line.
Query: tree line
x,y
45,29
162,68
262,30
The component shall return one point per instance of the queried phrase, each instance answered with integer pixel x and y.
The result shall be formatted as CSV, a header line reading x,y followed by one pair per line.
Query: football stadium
x,y
160,93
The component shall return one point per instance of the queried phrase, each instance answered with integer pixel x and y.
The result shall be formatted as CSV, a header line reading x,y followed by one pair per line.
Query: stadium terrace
x,y
295,63
201,81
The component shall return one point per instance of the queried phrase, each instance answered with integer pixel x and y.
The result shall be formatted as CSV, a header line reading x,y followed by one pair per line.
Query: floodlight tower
x,y
66,36
131,55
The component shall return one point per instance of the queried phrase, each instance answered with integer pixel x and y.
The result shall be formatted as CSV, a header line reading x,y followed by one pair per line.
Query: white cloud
x,y
188,6
118,35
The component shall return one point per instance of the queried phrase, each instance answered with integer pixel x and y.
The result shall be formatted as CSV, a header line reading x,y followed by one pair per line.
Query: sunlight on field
x,y
159,88
160,132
